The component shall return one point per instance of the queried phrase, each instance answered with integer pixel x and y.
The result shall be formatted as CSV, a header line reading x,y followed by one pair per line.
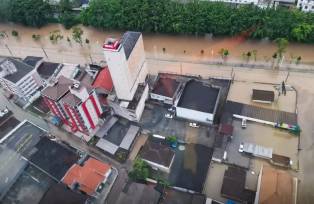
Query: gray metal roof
x,y
12,165
129,137
199,96
103,130
21,69
258,150
128,42
107,146
32,60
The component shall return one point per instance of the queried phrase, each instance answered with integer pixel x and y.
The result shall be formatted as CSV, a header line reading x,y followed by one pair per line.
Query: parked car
x,y
243,125
172,109
241,147
195,125
168,115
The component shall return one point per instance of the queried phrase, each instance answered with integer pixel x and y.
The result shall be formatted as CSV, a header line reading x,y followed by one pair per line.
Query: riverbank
x,y
168,47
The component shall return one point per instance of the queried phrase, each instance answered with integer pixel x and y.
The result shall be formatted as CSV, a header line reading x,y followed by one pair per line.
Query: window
x,y
305,7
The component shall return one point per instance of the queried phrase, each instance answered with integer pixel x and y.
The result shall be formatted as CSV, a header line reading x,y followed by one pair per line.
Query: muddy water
x,y
176,47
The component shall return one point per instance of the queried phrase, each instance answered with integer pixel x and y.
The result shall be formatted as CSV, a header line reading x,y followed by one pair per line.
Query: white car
x,y
171,109
241,147
168,115
243,125
195,125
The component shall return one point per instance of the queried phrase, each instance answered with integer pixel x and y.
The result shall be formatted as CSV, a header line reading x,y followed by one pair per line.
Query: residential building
x,y
165,89
88,177
76,104
138,193
126,63
306,5
20,78
276,186
159,156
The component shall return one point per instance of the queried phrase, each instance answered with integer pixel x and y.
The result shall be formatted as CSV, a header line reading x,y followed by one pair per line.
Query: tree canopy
x,y
164,16
200,17
35,13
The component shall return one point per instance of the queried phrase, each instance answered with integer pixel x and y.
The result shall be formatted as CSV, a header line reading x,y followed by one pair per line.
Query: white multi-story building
x,y
20,78
255,2
306,5
126,63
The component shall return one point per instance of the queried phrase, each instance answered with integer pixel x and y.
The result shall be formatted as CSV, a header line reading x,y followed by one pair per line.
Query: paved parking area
x,y
154,121
282,142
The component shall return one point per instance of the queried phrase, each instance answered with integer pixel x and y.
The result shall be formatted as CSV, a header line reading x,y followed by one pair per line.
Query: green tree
x,y
140,171
302,32
4,10
282,44
36,37
67,17
35,13
77,33
55,36
15,33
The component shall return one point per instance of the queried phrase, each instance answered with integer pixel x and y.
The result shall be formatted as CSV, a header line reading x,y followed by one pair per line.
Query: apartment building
x,y
306,5
20,78
126,63
75,103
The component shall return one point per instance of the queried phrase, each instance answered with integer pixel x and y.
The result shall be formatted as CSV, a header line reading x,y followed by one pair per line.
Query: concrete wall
x,y
161,98
195,115
141,104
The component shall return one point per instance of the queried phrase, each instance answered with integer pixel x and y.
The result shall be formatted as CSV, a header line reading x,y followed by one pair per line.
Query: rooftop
x,y
29,187
137,193
128,41
7,126
137,97
10,170
157,153
276,187
166,86
233,186
32,60
59,89
103,80
65,196
178,197
15,69
23,137
263,95
53,158
87,176
199,96
190,166
71,99
47,69
116,133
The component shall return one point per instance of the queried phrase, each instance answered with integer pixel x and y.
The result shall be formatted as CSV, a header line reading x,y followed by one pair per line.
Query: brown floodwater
x,y
159,45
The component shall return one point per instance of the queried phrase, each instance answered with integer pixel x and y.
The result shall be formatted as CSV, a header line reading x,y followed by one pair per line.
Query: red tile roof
x,y
88,176
103,80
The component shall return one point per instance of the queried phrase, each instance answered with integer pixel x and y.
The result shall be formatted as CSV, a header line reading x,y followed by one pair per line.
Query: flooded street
x,y
189,48
159,46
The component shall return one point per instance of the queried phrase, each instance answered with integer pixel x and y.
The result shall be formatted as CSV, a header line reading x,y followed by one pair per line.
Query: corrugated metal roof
x,y
107,146
258,150
129,137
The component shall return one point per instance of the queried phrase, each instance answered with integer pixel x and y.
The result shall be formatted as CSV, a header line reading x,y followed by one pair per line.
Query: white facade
x,y
160,167
162,98
306,5
195,115
26,87
126,73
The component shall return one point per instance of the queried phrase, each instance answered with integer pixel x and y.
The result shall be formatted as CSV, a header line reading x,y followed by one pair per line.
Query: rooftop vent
x,y
8,67
76,85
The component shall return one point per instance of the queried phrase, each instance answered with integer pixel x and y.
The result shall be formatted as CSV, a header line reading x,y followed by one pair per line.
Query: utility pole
x,y
9,50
